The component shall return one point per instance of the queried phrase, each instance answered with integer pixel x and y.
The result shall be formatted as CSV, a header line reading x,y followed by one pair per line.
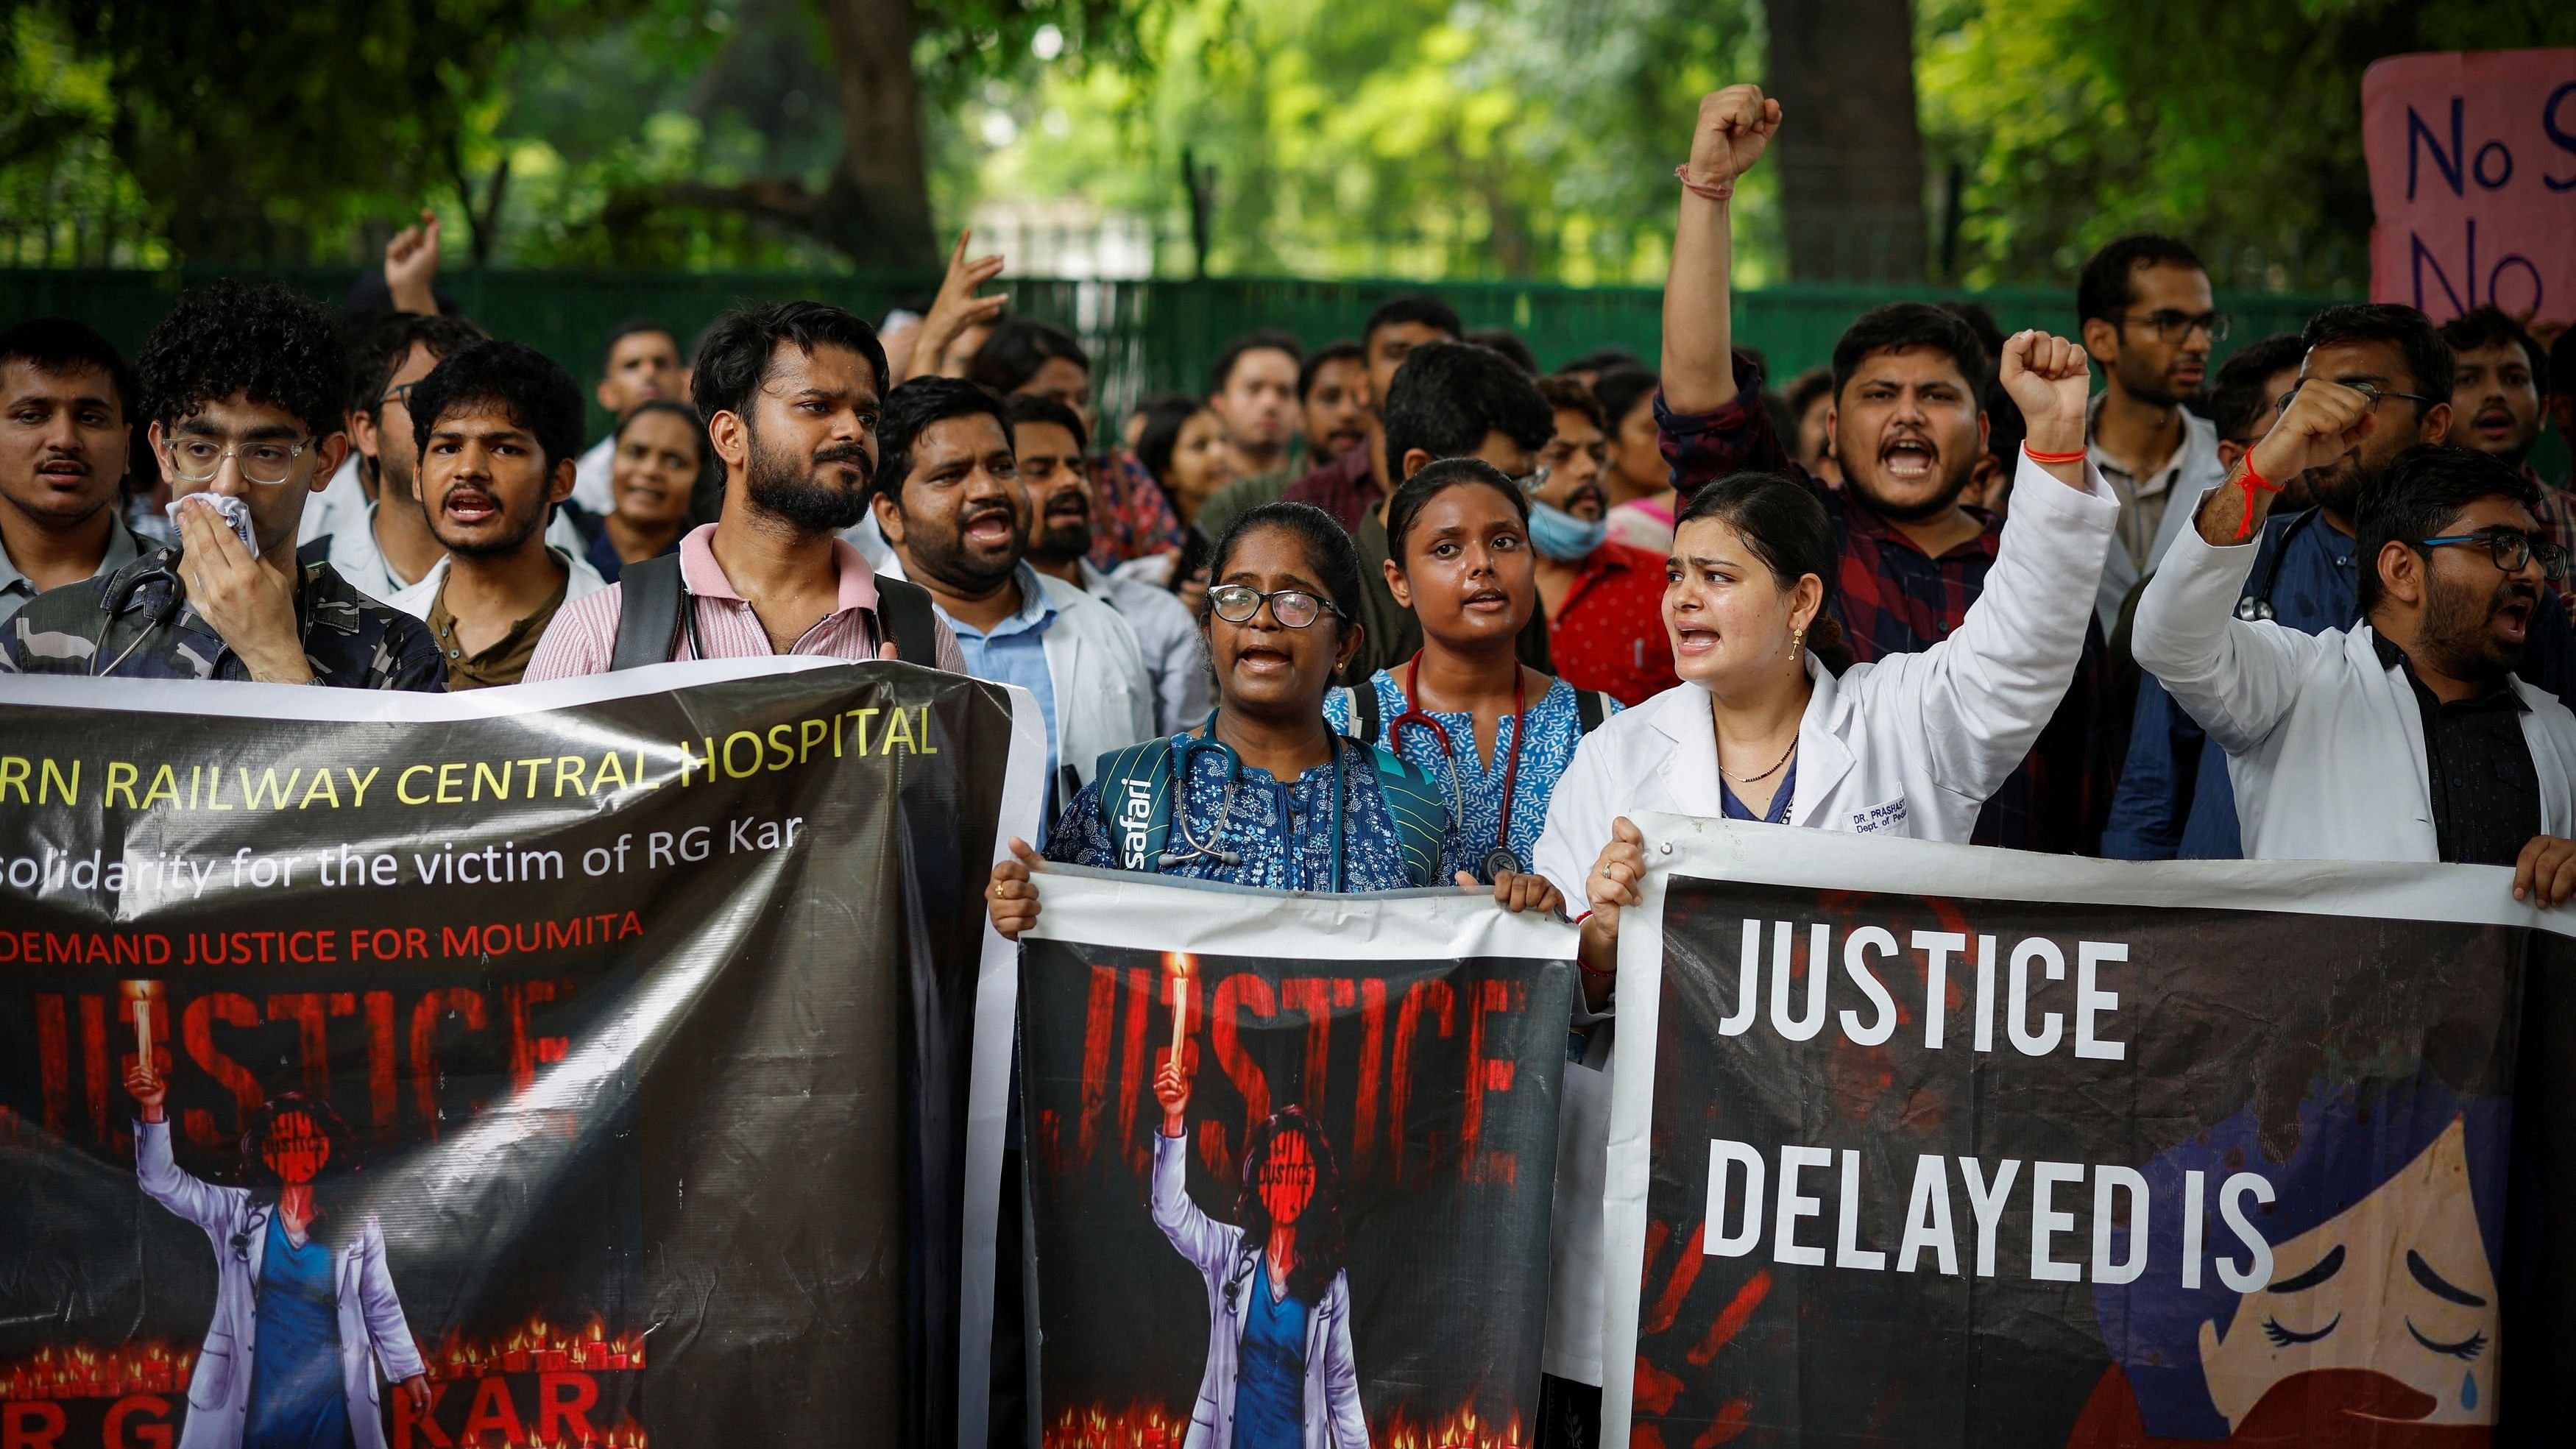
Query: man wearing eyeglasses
x,y
2407,737
2149,320
245,387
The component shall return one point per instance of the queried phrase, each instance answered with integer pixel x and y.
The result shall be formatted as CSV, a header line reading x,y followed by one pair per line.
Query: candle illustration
x,y
140,995
1180,966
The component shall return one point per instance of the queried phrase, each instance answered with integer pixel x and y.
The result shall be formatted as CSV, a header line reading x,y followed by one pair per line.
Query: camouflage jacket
x,y
115,626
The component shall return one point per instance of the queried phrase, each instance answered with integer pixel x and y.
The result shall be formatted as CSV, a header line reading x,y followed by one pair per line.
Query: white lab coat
x,y
1910,745
373,1331
2325,746
581,580
1332,1419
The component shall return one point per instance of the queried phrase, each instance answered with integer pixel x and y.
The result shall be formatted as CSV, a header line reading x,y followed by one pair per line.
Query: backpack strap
x,y
903,609
1591,707
1419,810
648,615
1364,721
1136,788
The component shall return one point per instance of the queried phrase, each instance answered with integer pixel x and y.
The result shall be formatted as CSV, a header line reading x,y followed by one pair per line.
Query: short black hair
x,y
378,345
734,357
58,345
2236,393
277,348
629,328
2108,283
1315,361
1507,342
532,388
1620,390
1435,479
914,408
1419,308
1017,348
1599,360
1329,552
1031,408
2428,357
1568,394
1268,339
1806,387
1981,320
1448,395
2418,496
1165,416
1898,326
2488,325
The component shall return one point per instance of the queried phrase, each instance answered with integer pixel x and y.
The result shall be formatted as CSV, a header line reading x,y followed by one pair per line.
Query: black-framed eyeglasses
x,y
399,393
2510,548
1293,608
2171,326
2372,394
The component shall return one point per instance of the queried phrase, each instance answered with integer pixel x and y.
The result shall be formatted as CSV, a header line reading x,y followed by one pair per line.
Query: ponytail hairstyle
x,y
1786,528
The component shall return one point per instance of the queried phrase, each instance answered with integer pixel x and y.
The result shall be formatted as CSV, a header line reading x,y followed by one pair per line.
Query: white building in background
x,y
1068,237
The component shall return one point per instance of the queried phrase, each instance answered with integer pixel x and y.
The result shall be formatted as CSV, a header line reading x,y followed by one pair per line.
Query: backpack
x,y
1136,788
649,617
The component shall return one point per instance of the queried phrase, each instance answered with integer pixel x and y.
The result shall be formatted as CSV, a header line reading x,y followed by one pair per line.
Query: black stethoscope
x,y
1502,857
165,566
2256,608
1192,847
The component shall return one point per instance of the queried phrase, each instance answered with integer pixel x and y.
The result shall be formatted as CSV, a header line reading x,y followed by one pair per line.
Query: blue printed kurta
x,y
1284,832
1555,728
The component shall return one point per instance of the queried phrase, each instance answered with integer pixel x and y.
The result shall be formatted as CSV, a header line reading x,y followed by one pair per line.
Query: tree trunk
x,y
877,205
1850,154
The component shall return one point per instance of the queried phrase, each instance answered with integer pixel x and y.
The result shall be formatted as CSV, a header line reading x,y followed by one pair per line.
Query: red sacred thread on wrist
x,y
2249,480
2050,460
1720,192
1589,969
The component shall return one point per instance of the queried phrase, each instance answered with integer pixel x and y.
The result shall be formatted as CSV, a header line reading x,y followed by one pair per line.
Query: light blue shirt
x,y
1015,651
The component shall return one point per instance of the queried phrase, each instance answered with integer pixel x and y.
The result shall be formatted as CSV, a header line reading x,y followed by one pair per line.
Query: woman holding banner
x,y
1265,793
1465,709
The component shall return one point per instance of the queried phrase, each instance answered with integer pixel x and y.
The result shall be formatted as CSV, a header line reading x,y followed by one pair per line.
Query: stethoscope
x,y
1502,857
2256,608
165,565
1195,849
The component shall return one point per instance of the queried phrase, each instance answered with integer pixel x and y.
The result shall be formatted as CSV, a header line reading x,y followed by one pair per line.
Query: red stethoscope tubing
x,y
1413,715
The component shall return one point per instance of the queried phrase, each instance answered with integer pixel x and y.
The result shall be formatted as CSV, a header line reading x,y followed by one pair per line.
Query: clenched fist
x,y
2324,421
2049,381
1735,127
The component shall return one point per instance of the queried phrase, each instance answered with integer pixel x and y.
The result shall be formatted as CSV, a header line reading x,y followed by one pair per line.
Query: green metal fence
x,y
1145,336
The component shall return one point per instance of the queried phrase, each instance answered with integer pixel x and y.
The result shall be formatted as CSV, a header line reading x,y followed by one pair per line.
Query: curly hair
x,y
532,388
261,342
1323,1243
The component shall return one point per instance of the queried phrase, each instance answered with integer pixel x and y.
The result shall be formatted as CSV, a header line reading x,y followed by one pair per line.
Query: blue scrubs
x,y
296,1399
1270,1369
1734,809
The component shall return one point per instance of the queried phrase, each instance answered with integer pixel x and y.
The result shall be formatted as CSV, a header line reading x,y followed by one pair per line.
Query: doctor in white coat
x,y
2406,737
239,1223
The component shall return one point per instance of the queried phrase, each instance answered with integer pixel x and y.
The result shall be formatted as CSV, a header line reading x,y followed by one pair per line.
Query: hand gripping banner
x,y
588,1063
1328,1223
1915,1144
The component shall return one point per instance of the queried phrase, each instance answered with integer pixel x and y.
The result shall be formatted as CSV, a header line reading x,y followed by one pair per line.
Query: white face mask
x,y
1563,537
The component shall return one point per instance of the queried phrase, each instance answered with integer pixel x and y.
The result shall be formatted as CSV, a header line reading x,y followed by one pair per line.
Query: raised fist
x,y
1735,126
2324,420
2049,381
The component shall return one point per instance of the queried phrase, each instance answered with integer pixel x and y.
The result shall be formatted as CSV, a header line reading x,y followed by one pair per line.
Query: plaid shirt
x,y
1131,516
2557,517
1892,598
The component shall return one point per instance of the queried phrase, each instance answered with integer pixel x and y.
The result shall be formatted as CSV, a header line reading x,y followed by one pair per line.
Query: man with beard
x,y
2149,321
791,393
1050,442
1908,432
382,550
497,428
1358,481
66,407
951,507
1603,600
2407,737
2500,376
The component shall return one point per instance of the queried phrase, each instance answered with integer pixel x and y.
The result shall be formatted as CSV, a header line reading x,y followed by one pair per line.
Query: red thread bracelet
x,y
1720,192
2249,480
2047,460
1588,969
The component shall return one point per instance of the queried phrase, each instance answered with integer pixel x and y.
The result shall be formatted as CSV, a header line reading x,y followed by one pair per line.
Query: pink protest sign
x,y
2473,176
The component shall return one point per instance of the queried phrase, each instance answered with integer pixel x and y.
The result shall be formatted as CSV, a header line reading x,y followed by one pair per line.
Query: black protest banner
x,y
581,1064
2029,1150
1332,1222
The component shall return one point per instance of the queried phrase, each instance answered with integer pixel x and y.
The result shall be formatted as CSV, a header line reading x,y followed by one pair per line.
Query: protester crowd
x,y
1400,612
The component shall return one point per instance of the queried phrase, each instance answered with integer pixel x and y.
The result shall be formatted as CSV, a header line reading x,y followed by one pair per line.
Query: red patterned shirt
x,y
1608,633
1131,516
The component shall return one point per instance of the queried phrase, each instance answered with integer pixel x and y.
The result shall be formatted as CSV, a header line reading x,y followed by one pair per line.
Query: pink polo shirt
x,y
583,637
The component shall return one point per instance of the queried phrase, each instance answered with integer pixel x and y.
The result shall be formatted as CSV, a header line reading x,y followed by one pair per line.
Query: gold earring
x,y
1797,642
